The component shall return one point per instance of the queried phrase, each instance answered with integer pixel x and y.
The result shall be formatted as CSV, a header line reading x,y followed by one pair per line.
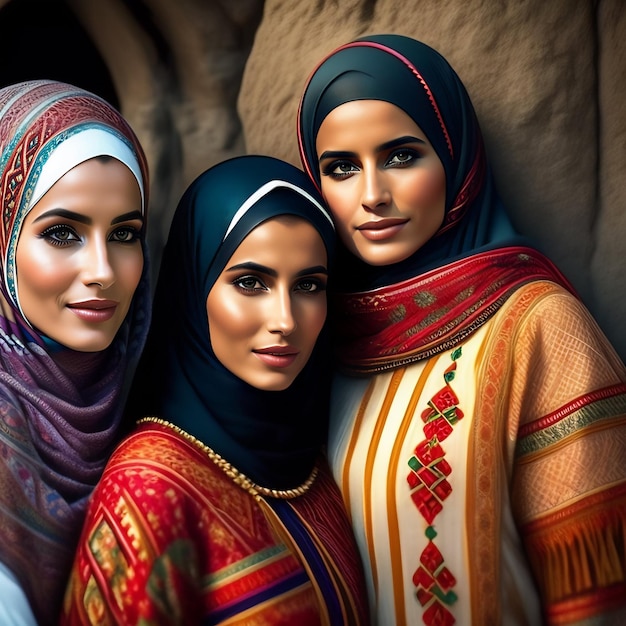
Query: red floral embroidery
x,y
434,583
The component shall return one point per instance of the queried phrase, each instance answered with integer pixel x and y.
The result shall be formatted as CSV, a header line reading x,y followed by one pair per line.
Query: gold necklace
x,y
232,472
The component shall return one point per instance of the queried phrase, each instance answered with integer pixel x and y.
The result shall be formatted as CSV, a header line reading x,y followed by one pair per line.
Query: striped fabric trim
x,y
593,409
320,572
226,586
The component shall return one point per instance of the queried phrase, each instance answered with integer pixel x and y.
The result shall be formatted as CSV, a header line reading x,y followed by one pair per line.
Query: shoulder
x,y
547,354
544,316
150,464
158,462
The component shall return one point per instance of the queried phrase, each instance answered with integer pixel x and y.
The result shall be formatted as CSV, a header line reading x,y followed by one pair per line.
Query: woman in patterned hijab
x,y
74,312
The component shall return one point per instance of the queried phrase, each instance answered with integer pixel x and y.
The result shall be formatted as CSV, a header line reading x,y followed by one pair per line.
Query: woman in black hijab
x,y
478,424
219,505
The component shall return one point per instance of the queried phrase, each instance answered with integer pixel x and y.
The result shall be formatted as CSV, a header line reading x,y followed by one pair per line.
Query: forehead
x,y
283,241
96,186
361,119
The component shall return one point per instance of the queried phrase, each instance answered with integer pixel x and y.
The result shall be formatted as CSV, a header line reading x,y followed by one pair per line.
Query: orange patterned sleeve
x,y
568,490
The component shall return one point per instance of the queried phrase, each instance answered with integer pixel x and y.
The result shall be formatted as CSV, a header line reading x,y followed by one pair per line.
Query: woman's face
x,y
79,257
382,180
268,305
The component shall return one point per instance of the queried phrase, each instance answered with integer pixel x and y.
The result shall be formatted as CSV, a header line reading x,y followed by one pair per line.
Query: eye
x,y
125,234
249,284
60,235
402,158
339,169
310,285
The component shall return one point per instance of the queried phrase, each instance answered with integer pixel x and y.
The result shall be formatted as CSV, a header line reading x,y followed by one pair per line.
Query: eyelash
x,y
239,283
51,233
129,230
412,155
318,285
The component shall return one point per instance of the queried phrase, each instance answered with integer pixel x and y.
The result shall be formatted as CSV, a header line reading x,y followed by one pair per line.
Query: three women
x,y
480,403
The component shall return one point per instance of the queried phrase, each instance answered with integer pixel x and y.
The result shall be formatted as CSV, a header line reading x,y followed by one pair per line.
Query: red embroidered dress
x,y
171,539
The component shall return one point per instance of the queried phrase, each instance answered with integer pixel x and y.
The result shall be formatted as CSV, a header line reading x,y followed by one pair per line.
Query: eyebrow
x,y
127,217
263,269
316,269
392,143
83,219
400,141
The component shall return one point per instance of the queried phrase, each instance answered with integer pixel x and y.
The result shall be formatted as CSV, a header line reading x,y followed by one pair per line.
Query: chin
x,y
89,344
383,260
385,254
273,385
89,348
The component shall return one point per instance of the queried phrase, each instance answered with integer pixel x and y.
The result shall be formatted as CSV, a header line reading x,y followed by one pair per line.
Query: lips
x,y
379,230
277,356
94,310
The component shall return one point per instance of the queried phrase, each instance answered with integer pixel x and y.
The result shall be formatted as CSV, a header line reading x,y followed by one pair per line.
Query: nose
x,y
375,191
281,318
97,268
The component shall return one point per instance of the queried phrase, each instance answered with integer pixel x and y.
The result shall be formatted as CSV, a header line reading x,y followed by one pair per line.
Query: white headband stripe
x,y
80,147
263,191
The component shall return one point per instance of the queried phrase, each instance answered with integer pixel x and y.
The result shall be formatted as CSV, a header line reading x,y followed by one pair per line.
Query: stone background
x,y
203,80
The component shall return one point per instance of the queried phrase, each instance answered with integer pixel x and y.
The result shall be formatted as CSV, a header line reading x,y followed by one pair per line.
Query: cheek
x,y
341,208
222,329
232,318
229,320
130,270
313,320
428,190
39,271
341,199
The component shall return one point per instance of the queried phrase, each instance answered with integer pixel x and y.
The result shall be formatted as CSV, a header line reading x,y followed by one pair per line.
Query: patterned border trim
x,y
597,408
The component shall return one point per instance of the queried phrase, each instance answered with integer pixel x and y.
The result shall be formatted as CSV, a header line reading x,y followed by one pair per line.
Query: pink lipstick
x,y
277,356
94,310
379,230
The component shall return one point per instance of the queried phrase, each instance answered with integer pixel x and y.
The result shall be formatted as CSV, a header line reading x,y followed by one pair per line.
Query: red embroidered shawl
x,y
414,319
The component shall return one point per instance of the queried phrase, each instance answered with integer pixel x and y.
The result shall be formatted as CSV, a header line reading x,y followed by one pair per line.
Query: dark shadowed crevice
x,y
598,122
44,39
368,9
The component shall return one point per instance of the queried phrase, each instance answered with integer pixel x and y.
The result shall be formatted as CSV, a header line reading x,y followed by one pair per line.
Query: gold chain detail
x,y
232,472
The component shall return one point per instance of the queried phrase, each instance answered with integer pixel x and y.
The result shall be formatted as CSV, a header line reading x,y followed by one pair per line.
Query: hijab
x,y
59,409
393,315
417,79
273,437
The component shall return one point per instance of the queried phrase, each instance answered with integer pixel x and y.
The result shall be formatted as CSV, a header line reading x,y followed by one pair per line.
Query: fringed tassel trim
x,y
580,552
